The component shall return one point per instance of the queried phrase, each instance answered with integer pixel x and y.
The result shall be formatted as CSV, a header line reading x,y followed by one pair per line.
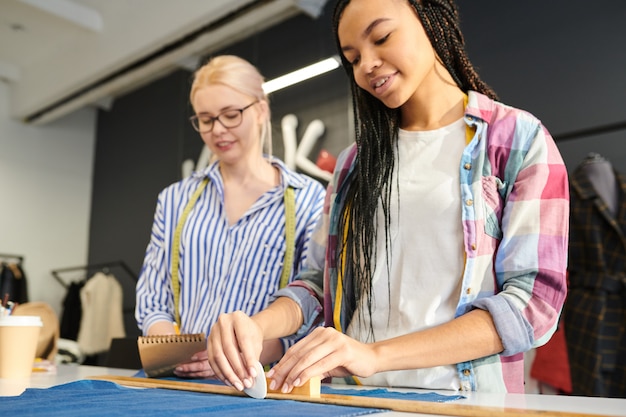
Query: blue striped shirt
x,y
223,268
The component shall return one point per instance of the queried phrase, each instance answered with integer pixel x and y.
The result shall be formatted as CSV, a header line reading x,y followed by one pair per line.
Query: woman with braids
x,y
444,246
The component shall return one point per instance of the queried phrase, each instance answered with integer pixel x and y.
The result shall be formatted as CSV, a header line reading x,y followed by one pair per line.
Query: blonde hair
x,y
240,75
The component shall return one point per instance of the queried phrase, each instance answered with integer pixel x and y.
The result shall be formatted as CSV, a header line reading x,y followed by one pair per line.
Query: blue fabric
x,y
88,398
385,393
374,392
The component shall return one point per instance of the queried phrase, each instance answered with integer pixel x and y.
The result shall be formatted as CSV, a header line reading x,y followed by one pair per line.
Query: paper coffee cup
x,y
18,345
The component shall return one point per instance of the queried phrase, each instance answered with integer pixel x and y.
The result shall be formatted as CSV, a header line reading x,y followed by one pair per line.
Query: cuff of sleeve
x,y
311,311
514,330
149,321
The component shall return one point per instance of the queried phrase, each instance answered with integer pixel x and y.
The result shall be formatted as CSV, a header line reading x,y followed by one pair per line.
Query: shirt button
x,y
469,202
466,372
467,166
468,291
473,246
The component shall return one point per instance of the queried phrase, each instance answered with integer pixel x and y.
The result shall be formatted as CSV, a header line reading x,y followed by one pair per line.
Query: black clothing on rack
x,y
12,279
72,312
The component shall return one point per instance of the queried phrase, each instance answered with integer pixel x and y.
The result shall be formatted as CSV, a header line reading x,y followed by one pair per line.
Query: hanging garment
x,y
13,282
72,312
551,364
102,318
594,314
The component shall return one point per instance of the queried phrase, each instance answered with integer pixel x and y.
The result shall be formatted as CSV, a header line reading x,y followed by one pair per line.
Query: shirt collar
x,y
479,106
288,178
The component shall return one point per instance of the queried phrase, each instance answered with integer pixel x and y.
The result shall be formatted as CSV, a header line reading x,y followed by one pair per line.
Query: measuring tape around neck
x,y
290,235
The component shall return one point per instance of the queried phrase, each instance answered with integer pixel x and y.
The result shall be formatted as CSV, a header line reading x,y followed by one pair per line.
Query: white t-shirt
x,y
426,252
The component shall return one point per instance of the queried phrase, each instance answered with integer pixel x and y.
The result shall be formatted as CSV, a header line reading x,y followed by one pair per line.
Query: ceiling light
x,y
302,74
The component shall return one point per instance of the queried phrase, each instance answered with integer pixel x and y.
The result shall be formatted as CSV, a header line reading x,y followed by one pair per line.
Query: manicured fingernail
x,y
247,383
179,369
194,358
270,373
296,383
285,389
273,385
253,372
238,386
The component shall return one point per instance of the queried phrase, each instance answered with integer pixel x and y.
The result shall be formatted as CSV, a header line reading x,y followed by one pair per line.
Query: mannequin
x,y
594,312
297,155
602,176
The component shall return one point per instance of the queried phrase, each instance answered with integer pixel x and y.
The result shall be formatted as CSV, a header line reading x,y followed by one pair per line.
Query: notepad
x,y
161,354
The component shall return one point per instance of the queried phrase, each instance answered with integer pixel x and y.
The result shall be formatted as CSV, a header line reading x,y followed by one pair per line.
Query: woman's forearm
x,y
282,318
468,337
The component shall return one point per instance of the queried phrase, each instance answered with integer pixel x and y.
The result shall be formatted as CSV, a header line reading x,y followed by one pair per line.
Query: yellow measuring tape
x,y
290,234
176,248
290,237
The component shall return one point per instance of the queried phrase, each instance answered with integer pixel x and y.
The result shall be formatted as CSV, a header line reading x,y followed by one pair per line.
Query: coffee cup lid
x,y
21,321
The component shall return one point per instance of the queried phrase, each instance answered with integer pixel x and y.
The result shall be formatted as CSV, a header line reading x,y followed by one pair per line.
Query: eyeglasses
x,y
228,119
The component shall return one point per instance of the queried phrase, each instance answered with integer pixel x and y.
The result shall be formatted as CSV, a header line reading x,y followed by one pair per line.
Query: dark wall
x,y
291,45
561,60
140,145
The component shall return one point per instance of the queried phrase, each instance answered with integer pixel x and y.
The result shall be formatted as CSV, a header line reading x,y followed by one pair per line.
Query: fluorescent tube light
x,y
302,74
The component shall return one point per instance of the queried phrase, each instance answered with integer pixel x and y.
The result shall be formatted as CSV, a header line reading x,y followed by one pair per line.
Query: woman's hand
x,y
325,353
237,341
198,367
234,347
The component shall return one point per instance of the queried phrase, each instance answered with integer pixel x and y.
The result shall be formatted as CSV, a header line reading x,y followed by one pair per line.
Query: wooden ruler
x,y
407,406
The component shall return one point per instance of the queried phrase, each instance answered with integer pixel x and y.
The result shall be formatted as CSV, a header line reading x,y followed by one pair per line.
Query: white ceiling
x,y
60,55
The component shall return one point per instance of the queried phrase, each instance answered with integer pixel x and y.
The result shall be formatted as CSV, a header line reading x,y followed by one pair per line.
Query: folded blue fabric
x,y
88,398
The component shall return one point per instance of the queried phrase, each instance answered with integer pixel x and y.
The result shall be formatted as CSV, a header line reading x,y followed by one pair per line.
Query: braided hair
x,y
376,131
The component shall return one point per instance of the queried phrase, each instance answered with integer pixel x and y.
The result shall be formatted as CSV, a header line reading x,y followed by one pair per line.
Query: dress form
x,y
602,176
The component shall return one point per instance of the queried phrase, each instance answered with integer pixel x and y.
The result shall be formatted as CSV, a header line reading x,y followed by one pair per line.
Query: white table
x,y
580,405
62,375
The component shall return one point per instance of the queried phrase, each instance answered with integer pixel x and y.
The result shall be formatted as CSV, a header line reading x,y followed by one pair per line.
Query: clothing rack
x,y
6,257
104,267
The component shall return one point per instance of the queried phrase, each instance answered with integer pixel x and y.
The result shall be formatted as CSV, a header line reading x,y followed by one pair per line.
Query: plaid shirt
x,y
595,311
515,195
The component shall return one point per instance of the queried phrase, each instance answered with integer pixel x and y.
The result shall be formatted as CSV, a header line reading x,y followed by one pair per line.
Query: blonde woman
x,y
233,238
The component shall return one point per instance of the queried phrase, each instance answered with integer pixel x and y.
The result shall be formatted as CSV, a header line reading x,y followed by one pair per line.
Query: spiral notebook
x,y
161,354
